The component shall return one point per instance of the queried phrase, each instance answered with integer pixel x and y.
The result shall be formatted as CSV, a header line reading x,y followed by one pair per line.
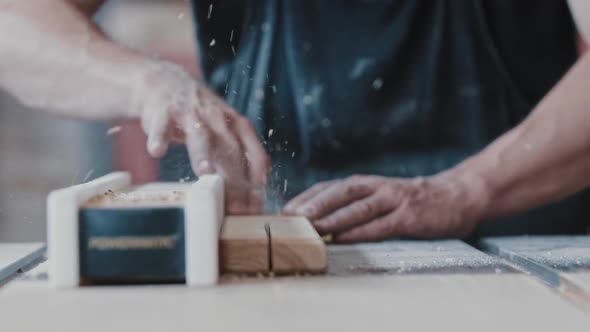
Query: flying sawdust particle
x,y
113,130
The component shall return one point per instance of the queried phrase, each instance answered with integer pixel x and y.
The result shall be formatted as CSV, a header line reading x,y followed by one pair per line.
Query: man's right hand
x,y
53,57
174,107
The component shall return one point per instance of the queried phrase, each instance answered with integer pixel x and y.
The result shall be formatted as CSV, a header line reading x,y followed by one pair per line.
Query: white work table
x,y
398,285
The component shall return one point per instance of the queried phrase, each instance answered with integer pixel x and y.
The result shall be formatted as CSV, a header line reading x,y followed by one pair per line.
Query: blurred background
x,y
40,152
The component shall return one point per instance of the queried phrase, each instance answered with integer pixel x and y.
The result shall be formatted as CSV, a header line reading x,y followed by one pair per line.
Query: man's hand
x,y
173,107
373,208
53,57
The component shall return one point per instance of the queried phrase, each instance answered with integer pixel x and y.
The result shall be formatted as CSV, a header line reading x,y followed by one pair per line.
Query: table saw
x,y
498,284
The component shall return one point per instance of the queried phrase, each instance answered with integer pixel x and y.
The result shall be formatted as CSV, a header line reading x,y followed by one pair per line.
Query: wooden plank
x,y
295,246
244,245
424,302
279,244
18,256
411,257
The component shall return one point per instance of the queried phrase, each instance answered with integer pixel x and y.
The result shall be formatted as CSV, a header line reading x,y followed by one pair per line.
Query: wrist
x,y
472,190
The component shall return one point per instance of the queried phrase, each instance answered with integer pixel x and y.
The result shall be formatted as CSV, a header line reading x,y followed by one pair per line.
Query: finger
x,y
333,198
227,151
355,214
222,125
378,229
307,195
197,142
229,161
257,162
156,128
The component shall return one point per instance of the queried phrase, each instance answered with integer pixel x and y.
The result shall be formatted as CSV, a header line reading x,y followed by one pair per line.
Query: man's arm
x,y
52,56
542,160
547,156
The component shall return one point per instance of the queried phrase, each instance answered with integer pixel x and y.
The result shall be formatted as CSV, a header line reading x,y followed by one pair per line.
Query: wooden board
x,y
296,246
15,257
424,302
251,244
244,245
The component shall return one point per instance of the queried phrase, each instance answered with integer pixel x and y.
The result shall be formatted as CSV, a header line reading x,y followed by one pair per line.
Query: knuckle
x,y
225,121
357,189
384,197
311,210
366,208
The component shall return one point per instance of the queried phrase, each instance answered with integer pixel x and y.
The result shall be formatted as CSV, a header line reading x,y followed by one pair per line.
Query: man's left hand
x,y
374,208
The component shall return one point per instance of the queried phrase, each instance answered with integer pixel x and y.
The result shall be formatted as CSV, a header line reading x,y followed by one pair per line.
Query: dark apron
x,y
396,88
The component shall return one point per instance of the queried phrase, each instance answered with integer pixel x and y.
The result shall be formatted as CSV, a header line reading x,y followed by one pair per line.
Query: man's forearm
x,y
53,57
542,160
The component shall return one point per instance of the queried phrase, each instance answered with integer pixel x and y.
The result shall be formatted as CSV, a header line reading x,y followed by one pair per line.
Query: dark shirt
x,y
391,87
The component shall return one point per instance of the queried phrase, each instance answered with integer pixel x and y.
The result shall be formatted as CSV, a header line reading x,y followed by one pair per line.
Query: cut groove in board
x,y
244,245
296,246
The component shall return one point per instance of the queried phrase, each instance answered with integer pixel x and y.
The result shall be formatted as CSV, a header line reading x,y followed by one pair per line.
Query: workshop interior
x,y
282,165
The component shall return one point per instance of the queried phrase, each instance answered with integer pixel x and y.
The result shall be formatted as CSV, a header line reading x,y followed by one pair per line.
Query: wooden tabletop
x,y
405,285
